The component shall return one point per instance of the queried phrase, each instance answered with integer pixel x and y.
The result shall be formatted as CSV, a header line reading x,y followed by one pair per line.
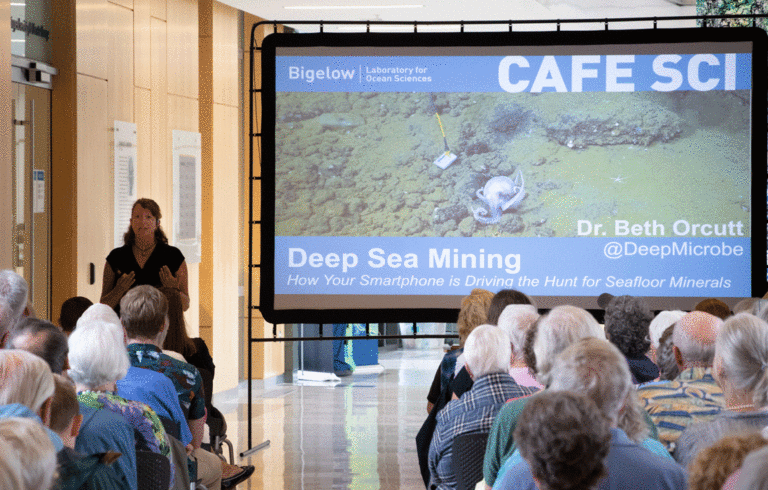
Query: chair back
x,y
468,455
153,471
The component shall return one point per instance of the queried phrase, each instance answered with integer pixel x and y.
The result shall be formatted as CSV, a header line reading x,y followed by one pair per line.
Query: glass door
x,y
31,168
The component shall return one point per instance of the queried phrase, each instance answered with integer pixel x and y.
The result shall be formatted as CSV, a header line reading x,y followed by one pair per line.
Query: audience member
x,y
754,471
26,389
37,456
71,311
627,320
516,320
77,471
741,357
598,369
693,396
488,353
451,379
10,467
13,300
552,334
714,464
665,356
97,359
565,440
502,299
715,307
746,305
658,326
42,339
144,312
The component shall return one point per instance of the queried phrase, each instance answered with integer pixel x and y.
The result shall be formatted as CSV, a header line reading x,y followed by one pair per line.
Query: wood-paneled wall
x,y
6,141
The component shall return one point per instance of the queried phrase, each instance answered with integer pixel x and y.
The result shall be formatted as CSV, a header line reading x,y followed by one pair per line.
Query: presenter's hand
x,y
168,279
125,281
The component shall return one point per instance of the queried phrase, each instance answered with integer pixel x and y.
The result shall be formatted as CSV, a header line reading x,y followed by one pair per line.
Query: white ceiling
x,y
457,10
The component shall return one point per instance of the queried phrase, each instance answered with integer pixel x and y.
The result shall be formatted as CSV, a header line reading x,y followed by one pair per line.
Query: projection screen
x,y
400,171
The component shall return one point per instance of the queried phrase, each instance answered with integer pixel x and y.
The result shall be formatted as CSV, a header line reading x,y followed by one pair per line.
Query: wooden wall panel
x,y
123,3
142,117
141,43
159,9
225,250
183,52
120,75
6,141
183,114
225,55
92,25
160,157
94,177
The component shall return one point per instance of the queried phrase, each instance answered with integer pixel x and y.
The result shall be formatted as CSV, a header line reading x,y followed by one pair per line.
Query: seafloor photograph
x,y
371,164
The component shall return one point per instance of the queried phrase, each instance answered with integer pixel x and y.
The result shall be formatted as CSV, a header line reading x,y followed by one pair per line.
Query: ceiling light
x,y
356,7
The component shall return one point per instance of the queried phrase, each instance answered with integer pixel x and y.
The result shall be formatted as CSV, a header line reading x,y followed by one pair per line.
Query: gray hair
x,y
97,354
557,330
694,337
661,322
24,379
516,320
487,351
598,369
35,451
10,466
13,289
754,471
742,346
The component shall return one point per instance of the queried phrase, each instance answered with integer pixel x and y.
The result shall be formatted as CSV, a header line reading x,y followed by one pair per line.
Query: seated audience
x,y
488,352
714,307
26,389
450,379
658,326
754,471
746,305
97,359
713,465
693,396
599,370
665,356
36,454
42,339
13,300
565,440
504,298
552,334
516,320
741,357
71,311
77,471
144,312
627,319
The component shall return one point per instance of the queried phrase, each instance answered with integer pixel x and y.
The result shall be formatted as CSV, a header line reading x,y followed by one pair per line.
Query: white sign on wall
x,y
126,158
187,220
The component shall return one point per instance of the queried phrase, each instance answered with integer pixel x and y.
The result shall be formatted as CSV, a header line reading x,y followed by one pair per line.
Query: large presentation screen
x,y
400,171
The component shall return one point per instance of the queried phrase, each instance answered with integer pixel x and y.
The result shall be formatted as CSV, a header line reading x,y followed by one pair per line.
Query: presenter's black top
x,y
122,261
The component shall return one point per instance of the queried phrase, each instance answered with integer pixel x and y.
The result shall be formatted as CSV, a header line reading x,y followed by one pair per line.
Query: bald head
x,y
694,339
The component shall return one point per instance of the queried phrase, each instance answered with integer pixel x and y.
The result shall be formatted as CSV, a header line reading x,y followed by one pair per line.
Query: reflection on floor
x,y
356,434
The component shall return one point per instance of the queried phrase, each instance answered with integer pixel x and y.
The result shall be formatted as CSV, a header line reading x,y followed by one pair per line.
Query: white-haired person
x,y
660,323
741,369
26,389
36,454
13,300
598,369
97,359
552,334
517,320
488,352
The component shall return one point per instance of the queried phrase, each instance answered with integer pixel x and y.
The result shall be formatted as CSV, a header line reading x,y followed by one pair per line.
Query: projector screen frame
x,y
447,306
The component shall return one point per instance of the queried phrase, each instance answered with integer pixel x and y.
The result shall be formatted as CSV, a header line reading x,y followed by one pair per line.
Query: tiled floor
x,y
356,434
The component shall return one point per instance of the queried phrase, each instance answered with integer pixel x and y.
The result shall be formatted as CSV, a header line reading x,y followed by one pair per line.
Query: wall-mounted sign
x,y
187,222
126,156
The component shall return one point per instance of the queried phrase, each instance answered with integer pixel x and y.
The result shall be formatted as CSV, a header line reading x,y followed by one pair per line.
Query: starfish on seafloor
x,y
618,180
